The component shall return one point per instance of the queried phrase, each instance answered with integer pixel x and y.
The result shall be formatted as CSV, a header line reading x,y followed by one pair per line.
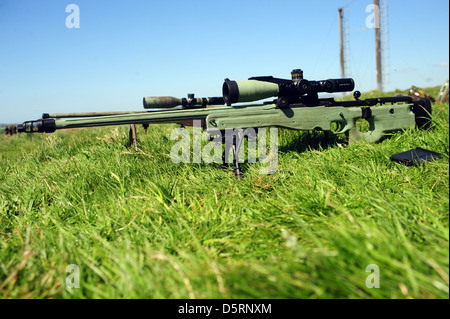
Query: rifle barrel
x,y
49,125
87,114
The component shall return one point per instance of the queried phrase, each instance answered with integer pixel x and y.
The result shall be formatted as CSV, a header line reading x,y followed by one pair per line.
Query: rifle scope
x,y
257,88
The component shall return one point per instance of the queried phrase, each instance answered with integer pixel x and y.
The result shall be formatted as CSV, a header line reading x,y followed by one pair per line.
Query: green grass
x,y
140,226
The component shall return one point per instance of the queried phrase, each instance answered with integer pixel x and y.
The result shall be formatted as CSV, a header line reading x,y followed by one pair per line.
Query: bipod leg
x,y
226,152
132,136
237,143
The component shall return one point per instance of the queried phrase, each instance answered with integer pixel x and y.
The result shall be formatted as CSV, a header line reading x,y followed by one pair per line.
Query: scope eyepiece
x,y
334,85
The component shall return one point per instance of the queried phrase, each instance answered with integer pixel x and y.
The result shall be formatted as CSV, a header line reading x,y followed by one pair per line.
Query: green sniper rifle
x,y
296,106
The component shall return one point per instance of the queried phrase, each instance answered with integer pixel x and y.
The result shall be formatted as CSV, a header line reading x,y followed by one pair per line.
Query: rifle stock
x,y
382,119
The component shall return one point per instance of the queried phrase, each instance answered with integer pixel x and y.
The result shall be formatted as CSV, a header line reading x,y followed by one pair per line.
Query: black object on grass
x,y
415,156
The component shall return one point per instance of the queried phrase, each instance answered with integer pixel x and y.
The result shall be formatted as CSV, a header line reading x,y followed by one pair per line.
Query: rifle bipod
x,y
237,140
132,136
236,146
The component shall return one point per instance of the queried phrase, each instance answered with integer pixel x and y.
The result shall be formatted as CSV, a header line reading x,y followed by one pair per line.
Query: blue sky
x,y
125,50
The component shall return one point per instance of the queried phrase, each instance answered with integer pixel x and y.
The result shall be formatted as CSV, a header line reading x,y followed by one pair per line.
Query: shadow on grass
x,y
299,142
312,140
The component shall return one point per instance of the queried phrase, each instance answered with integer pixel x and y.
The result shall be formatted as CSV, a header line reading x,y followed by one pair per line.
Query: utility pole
x,y
384,38
343,40
378,45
